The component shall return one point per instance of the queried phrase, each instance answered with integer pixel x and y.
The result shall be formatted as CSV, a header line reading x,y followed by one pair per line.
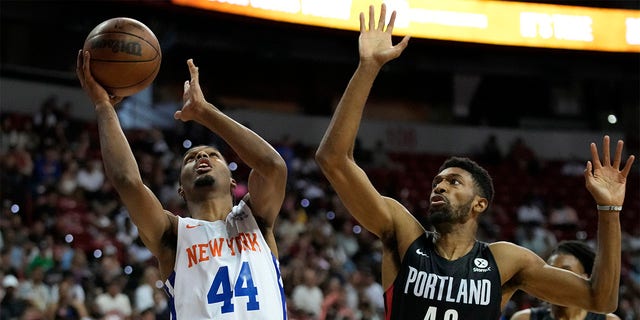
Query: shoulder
x,y
512,259
404,223
612,316
508,253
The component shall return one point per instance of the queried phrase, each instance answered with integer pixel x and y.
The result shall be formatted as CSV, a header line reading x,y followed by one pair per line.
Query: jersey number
x,y
449,314
220,290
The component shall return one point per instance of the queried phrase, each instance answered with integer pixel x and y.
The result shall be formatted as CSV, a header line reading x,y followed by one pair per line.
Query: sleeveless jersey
x,y
225,270
544,313
429,287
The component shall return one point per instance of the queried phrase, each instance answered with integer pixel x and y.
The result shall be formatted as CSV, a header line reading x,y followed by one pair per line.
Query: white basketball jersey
x,y
225,270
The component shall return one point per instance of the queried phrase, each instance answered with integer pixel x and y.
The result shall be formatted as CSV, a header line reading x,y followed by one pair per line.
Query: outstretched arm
x,y
335,153
268,175
120,165
607,184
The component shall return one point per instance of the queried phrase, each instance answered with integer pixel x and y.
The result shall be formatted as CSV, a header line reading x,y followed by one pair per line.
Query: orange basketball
x,y
125,55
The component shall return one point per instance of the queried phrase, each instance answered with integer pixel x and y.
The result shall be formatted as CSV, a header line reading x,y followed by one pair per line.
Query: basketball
x,y
125,55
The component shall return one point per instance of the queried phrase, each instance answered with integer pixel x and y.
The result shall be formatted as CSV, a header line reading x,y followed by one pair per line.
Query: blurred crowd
x,y
69,251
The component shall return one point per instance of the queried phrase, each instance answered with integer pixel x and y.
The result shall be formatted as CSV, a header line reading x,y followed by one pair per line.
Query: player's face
x,y
452,196
567,262
204,168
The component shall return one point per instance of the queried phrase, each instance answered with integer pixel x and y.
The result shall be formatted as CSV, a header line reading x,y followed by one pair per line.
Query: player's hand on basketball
x,y
193,101
96,92
603,177
375,42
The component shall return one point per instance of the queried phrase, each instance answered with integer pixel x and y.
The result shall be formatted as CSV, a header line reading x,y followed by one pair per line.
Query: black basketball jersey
x,y
544,313
429,287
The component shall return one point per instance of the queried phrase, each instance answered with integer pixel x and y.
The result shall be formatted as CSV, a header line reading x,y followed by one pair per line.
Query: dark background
x,y
309,65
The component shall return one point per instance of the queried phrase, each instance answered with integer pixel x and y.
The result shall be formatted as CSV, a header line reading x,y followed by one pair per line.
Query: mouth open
x,y
203,166
438,200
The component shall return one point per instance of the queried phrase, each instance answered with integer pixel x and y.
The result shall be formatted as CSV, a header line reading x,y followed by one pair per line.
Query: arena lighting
x,y
484,21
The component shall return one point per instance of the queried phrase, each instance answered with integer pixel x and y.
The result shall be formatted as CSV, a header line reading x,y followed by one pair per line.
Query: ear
x,y
480,205
233,184
181,192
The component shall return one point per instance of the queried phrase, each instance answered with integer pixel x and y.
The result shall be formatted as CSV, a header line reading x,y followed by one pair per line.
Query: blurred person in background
x,y
575,256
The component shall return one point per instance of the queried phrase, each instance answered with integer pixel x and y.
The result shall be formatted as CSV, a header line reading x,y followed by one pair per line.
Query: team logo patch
x,y
481,265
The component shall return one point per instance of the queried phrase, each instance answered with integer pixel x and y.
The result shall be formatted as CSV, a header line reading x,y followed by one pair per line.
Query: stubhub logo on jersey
x,y
482,265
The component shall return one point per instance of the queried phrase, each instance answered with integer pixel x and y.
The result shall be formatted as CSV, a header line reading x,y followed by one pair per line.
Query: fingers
x,y
606,151
383,14
86,66
627,166
588,171
403,43
617,158
606,158
392,21
193,70
85,61
381,20
372,17
595,158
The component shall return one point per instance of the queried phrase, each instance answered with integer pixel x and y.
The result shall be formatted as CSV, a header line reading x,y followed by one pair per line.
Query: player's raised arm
x,y
268,175
335,153
607,184
120,164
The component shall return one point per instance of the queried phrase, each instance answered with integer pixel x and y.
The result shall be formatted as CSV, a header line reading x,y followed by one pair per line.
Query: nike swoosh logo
x,y
418,251
190,226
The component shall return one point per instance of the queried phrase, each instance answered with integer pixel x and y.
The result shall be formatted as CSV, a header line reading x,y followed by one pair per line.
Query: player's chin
x,y
204,181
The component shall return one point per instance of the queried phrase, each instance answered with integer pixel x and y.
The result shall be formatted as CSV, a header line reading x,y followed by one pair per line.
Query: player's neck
x,y
563,313
453,245
210,209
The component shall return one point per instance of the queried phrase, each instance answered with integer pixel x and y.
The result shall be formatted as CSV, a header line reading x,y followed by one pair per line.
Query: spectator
x,y
91,176
491,154
536,238
307,296
380,158
563,217
145,291
334,305
35,290
523,156
373,291
113,302
529,212
68,305
11,306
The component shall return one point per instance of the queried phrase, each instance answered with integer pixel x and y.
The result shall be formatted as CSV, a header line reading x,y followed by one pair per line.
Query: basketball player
x,y
221,263
575,256
446,273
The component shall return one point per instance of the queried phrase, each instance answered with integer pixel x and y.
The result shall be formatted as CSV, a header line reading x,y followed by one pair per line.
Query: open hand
x,y
375,42
603,178
193,101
